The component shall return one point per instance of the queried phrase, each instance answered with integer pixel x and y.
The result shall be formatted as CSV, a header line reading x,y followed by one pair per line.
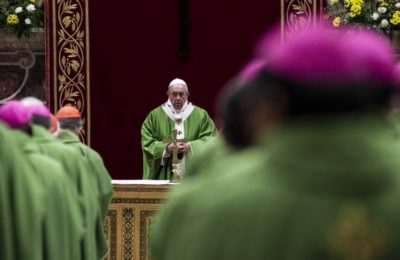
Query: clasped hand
x,y
182,147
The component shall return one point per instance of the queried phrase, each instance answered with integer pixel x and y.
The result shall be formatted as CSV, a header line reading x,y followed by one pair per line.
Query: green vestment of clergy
x,y
212,155
78,171
63,225
100,176
328,189
158,127
21,202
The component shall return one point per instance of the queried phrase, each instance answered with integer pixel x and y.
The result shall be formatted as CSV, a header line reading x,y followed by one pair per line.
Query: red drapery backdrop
x,y
134,54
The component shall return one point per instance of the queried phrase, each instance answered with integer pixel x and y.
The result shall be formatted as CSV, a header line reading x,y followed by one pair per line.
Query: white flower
x,y
384,23
375,16
397,5
18,10
28,21
31,8
382,10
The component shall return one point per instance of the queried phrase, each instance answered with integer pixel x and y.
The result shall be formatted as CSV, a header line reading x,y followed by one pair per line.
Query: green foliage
x,y
380,15
19,16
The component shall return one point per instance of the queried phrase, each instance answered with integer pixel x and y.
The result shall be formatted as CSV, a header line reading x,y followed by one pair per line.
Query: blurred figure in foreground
x,y
245,109
329,186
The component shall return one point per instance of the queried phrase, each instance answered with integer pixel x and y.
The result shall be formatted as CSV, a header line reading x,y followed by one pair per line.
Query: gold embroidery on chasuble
x,y
356,235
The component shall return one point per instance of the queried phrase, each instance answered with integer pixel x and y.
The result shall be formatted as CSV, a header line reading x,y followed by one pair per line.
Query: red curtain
x,y
134,53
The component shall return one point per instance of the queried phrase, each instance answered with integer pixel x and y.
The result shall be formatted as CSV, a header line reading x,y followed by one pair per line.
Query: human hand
x,y
182,147
169,149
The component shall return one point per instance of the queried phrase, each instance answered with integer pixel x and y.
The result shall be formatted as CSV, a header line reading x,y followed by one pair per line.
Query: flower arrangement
x,y
19,16
380,15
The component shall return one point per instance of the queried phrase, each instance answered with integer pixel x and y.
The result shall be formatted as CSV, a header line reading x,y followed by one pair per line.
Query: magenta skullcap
x,y
14,114
39,110
319,55
251,69
36,106
396,75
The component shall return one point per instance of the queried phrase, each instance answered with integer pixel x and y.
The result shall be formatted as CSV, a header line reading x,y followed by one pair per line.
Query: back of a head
x,y
40,113
14,114
69,117
243,103
325,71
242,107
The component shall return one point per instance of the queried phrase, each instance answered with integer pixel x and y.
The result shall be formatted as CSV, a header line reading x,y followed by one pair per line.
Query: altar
x,y
133,205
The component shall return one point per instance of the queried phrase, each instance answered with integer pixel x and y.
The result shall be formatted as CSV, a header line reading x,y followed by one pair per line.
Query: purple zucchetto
x,y
36,106
339,58
396,74
251,69
39,110
14,114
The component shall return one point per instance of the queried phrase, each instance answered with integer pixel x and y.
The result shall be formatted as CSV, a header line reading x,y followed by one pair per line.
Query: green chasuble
x,y
78,172
63,225
158,127
209,155
21,202
217,154
328,189
100,177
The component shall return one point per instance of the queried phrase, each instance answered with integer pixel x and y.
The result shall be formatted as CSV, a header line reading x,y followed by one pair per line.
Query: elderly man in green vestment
x,y
193,126
324,185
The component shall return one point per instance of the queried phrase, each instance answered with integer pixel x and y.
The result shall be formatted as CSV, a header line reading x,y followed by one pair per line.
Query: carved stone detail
x,y
15,69
110,229
127,233
145,223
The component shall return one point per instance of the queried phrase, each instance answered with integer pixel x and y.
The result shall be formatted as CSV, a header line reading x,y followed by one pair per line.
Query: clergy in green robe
x,y
62,226
97,167
192,123
245,110
329,182
76,169
102,180
79,173
21,202
71,124
296,203
63,223
212,152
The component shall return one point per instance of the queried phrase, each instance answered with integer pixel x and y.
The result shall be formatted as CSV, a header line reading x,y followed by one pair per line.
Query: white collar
x,y
175,115
175,111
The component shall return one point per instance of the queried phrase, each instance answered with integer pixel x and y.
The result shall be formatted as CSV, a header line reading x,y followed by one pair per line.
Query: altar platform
x,y
133,205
